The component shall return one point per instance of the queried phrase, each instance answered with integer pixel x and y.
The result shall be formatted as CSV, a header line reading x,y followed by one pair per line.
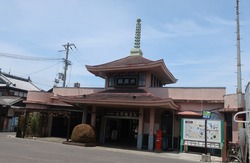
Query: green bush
x,y
33,124
83,133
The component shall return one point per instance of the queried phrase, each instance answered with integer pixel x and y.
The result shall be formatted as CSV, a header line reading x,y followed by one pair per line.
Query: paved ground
x,y
183,157
176,155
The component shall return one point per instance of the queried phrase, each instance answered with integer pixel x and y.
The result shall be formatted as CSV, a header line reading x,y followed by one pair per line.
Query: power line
x,y
80,57
44,69
8,55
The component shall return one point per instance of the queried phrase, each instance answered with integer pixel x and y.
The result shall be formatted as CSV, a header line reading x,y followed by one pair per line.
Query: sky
x,y
195,38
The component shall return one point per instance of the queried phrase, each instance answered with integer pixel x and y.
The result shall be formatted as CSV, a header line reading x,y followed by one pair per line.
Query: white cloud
x,y
188,27
220,21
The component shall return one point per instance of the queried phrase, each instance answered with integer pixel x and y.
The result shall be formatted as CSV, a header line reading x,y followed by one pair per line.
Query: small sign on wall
x,y
146,128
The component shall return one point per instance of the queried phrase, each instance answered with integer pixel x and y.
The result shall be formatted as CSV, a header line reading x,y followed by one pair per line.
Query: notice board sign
x,y
193,133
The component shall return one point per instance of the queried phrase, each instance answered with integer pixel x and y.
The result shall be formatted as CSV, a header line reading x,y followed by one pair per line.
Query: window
x,y
111,81
11,93
155,81
142,79
21,94
16,93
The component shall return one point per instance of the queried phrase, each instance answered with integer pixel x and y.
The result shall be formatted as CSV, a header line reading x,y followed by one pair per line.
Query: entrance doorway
x,y
167,129
59,127
121,132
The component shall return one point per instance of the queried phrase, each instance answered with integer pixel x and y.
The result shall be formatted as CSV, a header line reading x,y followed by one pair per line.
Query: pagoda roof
x,y
125,98
134,63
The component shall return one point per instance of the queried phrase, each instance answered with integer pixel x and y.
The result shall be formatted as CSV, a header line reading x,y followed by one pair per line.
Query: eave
x,y
47,103
156,67
198,101
79,100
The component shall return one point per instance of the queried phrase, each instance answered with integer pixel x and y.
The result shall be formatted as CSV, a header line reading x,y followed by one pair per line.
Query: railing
x,y
242,121
245,139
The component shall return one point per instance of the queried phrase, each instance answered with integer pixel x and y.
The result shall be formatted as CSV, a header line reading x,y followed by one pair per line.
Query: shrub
x,y
33,124
83,133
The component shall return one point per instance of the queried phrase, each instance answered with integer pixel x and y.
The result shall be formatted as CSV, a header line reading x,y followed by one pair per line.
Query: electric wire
x,y
44,68
9,55
78,56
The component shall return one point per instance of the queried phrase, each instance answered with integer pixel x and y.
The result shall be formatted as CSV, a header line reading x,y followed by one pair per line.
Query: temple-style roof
x,y
125,98
134,63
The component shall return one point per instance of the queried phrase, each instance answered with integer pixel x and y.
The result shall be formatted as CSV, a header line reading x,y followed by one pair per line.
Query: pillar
x,y
50,121
25,122
151,130
69,121
84,114
140,129
93,116
173,129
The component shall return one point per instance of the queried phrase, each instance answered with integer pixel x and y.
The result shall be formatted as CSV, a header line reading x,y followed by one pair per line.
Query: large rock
x,y
83,133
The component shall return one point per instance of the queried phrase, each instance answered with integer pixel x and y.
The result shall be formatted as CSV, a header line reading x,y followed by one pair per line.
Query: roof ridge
x,y
15,77
122,59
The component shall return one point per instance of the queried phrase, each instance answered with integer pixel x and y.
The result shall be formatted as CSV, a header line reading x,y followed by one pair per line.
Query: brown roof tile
x,y
130,60
123,98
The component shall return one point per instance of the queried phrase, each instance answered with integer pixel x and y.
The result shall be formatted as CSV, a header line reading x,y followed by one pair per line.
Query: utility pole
x,y
239,85
67,62
239,80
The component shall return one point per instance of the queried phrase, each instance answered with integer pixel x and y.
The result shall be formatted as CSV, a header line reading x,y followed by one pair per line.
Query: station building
x,y
136,101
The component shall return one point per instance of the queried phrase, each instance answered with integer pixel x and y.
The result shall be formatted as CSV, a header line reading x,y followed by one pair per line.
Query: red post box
x,y
158,141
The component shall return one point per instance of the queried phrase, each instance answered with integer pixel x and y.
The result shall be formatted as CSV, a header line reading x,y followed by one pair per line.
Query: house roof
x,y
7,80
134,63
9,100
125,98
43,98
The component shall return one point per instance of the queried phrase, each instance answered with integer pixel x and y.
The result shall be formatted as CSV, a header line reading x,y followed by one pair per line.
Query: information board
x,y
193,133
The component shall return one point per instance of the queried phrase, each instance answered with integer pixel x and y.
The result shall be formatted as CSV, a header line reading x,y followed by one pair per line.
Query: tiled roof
x,y
17,82
127,61
132,98
43,98
9,100
125,95
133,64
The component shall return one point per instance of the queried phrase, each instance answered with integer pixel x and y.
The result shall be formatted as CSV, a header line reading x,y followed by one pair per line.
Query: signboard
x,y
206,114
126,79
193,133
122,114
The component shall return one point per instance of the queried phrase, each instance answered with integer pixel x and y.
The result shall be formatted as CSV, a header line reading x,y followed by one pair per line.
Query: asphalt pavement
x,y
173,155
